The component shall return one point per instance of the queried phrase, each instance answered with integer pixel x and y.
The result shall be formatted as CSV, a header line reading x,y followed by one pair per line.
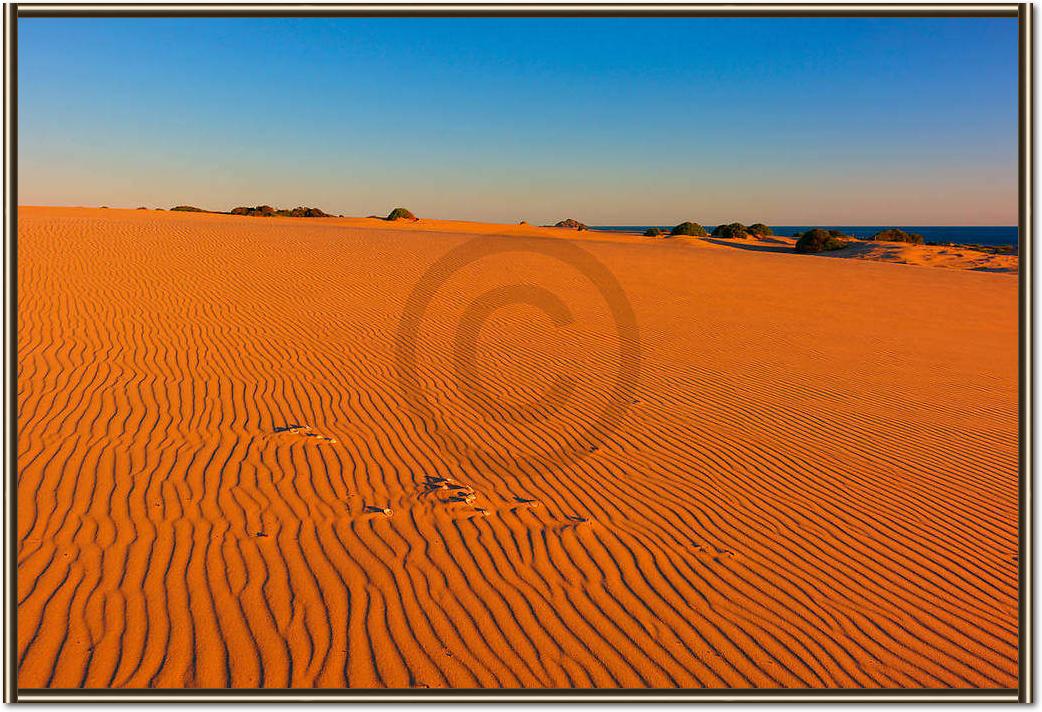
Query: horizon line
x,y
617,224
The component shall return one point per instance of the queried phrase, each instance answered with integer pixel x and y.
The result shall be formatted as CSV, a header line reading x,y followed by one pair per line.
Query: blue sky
x,y
612,121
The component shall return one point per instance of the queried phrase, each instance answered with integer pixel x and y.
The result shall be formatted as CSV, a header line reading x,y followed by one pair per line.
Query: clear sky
x,y
611,121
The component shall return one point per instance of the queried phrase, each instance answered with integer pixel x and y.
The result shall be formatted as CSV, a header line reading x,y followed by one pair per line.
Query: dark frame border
x,y
1022,11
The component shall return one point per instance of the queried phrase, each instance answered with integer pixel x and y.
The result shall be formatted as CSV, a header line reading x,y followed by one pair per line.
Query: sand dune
x,y
945,256
813,482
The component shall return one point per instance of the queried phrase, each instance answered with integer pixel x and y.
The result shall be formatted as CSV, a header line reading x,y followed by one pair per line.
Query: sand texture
x,y
225,478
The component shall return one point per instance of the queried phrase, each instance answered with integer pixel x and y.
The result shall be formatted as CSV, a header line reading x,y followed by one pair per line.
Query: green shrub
x,y
266,211
818,240
760,229
652,232
304,212
897,235
400,214
188,209
691,229
733,230
572,223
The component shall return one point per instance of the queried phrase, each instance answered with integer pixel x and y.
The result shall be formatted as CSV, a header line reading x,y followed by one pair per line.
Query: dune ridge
x,y
815,484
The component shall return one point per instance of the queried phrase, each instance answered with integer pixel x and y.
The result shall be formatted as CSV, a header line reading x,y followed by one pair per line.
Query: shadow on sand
x,y
757,247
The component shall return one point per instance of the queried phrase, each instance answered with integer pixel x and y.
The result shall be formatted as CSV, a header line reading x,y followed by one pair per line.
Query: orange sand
x,y
815,486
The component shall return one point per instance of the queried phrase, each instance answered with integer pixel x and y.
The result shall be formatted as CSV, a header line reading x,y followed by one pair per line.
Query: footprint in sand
x,y
429,487
374,509
457,493
304,431
520,503
465,496
432,483
709,553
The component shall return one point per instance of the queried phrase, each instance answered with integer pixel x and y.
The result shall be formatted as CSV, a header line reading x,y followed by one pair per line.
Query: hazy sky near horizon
x,y
906,121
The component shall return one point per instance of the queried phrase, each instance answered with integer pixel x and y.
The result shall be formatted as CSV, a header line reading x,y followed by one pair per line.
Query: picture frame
x,y
15,12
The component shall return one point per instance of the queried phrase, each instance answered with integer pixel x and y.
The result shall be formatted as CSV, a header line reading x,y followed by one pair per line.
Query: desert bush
x,y
188,209
572,223
818,240
266,211
897,235
691,229
733,230
400,214
760,229
304,212
652,232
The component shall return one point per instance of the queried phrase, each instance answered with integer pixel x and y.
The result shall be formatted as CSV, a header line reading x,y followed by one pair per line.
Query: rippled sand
x,y
248,457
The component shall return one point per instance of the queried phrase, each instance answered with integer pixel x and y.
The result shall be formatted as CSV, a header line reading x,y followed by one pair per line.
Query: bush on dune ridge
x,y
266,211
259,211
818,240
304,212
401,214
897,235
760,230
652,232
689,229
573,224
733,231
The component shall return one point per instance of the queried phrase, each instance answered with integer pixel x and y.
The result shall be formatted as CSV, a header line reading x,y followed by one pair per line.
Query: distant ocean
x,y
966,235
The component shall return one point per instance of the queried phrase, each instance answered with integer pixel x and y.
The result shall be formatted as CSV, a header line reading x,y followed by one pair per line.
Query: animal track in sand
x,y
304,430
376,509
